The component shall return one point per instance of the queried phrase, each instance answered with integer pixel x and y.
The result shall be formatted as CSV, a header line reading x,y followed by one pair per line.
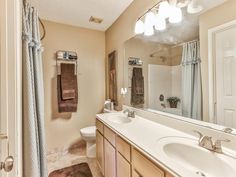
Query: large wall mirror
x,y
163,71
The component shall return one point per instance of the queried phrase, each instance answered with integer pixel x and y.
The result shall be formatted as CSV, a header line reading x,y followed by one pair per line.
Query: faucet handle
x,y
199,133
218,146
222,140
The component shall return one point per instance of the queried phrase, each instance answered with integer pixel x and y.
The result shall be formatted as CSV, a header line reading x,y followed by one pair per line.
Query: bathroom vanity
x,y
138,147
116,157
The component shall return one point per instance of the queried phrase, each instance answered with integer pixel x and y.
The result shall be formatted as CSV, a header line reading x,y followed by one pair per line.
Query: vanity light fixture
x,y
149,23
139,27
176,15
148,30
150,19
160,24
194,7
164,10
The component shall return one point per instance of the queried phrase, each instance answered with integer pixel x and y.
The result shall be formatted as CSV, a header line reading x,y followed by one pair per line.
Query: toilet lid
x,y
89,131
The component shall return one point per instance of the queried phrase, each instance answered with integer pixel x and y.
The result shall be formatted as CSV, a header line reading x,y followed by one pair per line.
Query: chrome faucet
x,y
207,143
130,113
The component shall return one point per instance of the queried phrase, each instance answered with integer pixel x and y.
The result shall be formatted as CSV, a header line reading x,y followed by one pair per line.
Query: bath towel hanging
x,y
67,89
137,89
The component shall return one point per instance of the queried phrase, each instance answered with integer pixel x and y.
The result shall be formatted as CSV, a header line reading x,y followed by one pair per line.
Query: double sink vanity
x,y
138,147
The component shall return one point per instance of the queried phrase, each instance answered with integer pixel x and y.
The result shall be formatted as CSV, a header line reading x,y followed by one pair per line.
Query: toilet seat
x,y
88,131
89,135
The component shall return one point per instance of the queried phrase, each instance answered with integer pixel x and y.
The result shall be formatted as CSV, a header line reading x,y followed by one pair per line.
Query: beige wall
x,y
212,18
62,130
121,31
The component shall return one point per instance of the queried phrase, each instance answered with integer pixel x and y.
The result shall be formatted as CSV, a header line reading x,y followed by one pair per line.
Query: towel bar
x,y
67,57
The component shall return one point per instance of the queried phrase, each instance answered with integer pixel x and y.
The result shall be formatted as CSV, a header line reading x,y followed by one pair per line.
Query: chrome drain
x,y
200,174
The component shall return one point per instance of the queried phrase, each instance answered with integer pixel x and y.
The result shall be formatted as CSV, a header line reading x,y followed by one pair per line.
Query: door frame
x,y
11,80
212,67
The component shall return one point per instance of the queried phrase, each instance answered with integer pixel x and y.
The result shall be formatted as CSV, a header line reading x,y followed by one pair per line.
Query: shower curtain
x,y
34,161
191,81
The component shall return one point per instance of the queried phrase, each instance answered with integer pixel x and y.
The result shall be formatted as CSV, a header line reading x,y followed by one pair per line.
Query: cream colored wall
x,y
215,17
121,31
62,130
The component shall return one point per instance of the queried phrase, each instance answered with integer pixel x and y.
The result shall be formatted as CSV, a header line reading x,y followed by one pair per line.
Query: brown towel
x,y
67,86
68,81
137,90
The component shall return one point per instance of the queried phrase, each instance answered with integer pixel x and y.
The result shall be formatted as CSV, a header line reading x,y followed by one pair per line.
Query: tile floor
x,y
73,157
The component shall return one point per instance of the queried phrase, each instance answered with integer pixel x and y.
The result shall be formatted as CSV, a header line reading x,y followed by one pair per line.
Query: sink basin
x,y
186,153
119,119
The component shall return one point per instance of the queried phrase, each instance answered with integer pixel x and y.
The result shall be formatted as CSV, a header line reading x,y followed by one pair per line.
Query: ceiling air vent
x,y
95,20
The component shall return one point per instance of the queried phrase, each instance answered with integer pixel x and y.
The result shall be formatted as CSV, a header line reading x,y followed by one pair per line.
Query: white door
x,y
10,87
225,77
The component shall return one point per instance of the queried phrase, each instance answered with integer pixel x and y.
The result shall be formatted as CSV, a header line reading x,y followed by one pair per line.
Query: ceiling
x,y
78,12
185,31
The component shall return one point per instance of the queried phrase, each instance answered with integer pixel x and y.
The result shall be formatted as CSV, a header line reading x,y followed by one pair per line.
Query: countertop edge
x,y
153,159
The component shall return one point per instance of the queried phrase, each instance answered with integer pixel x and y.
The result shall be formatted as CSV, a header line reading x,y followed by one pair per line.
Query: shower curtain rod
x,y
41,23
181,44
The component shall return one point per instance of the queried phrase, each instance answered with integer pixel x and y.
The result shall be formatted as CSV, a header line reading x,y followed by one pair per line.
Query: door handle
x,y
3,136
8,164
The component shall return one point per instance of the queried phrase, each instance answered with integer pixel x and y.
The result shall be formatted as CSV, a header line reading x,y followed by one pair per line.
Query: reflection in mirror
x,y
163,71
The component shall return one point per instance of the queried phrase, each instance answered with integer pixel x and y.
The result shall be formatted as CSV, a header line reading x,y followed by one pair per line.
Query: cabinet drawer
x,y
123,167
110,135
123,148
144,167
169,175
99,126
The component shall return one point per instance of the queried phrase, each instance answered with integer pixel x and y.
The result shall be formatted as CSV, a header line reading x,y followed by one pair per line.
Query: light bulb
x,y
164,9
160,23
150,19
194,7
176,15
149,30
139,27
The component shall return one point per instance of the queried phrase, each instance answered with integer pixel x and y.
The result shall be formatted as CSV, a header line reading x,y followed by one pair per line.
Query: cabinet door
x,y
100,151
143,167
110,159
123,166
135,174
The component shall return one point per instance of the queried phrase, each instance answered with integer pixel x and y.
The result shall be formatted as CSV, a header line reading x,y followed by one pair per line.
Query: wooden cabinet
x,y
110,135
144,167
99,126
123,148
110,159
123,166
117,158
100,151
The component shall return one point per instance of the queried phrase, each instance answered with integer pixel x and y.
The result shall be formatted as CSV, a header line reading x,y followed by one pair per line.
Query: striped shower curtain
x,y
34,161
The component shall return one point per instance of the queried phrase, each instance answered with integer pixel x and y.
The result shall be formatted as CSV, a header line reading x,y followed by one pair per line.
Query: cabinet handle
x,y
3,136
136,171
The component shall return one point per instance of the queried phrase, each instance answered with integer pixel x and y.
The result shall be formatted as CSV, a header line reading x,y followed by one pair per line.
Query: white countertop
x,y
144,135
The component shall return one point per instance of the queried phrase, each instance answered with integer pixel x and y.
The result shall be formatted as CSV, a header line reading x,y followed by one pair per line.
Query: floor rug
x,y
80,170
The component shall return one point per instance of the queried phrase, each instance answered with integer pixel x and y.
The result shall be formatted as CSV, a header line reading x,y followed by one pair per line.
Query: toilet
x,y
89,135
